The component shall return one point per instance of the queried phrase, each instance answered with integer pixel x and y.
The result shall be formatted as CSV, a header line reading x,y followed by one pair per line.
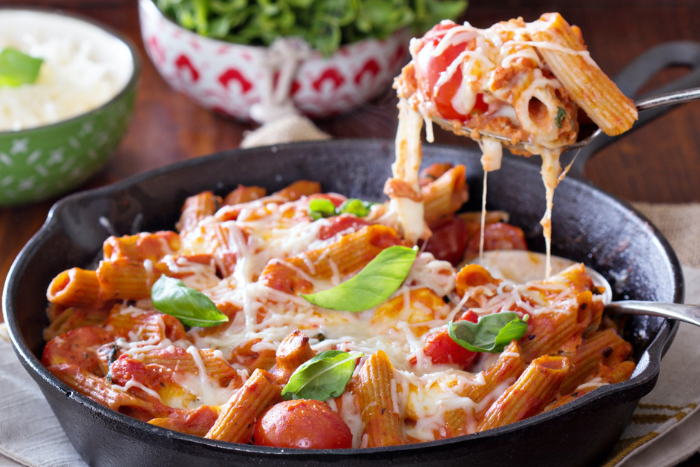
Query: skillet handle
x,y
634,76
686,313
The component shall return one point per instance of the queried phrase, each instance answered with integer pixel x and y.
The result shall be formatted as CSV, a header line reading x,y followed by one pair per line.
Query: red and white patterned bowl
x,y
226,77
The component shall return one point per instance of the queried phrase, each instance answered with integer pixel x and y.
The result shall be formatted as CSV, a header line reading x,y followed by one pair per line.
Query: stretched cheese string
x,y
483,218
492,153
405,168
550,176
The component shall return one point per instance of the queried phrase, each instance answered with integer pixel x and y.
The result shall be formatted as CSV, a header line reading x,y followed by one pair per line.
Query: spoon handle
x,y
671,98
688,313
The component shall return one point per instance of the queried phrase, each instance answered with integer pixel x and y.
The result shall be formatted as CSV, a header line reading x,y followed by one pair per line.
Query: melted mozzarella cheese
x,y
421,390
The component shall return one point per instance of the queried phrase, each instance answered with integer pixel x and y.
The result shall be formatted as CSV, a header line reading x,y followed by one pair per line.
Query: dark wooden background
x,y
660,163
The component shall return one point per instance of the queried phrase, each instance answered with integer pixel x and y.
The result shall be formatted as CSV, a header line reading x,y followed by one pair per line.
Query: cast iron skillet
x,y
589,226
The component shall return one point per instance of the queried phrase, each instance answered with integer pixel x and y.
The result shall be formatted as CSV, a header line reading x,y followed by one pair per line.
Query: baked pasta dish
x,y
301,319
309,320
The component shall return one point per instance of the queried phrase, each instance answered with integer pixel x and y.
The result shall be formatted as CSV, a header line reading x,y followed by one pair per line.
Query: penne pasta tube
x,y
244,355
534,389
103,392
151,326
196,208
444,196
298,189
378,409
125,279
74,318
235,424
75,287
599,348
195,422
473,275
292,352
587,85
152,246
505,371
346,256
181,360
606,375
244,194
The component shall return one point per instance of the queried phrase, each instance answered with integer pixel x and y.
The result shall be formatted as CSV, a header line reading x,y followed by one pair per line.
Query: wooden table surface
x,y
660,163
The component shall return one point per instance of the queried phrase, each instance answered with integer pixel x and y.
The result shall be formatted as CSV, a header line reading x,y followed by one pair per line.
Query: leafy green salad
x,y
324,24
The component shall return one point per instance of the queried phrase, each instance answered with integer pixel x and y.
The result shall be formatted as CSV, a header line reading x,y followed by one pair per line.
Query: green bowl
x,y
46,161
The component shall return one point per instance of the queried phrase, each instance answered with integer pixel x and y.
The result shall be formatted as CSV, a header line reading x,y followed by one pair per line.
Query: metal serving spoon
x,y
519,266
672,98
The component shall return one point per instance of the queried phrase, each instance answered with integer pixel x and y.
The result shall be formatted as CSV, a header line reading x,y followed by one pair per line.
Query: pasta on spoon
x,y
522,82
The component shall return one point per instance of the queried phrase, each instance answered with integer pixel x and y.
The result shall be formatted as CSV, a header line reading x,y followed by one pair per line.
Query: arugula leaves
x,y
321,208
192,307
323,377
372,285
492,333
561,115
324,24
17,68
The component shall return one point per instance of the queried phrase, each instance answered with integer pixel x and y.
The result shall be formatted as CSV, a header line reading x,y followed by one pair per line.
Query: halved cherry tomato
x,y
302,423
441,349
480,106
469,316
429,68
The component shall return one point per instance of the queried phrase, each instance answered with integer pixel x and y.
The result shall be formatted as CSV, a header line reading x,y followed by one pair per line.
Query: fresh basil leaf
x,y
492,333
321,207
374,284
561,115
17,68
192,307
323,377
355,206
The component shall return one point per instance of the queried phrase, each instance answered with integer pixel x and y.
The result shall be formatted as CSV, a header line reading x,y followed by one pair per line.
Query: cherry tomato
x,y
339,224
449,241
498,236
441,349
302,423
469,316
480,106
429,68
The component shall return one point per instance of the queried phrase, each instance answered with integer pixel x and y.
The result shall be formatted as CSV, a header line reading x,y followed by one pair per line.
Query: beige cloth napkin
x,y
665,428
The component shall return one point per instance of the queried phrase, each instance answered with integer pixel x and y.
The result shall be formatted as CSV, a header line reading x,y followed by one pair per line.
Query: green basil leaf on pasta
x,y
321,207
190,306
323,377
355,206
17,68
373,285
492,333
561,115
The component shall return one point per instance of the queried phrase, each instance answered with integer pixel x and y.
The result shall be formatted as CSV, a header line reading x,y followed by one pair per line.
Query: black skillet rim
x,y
128,425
